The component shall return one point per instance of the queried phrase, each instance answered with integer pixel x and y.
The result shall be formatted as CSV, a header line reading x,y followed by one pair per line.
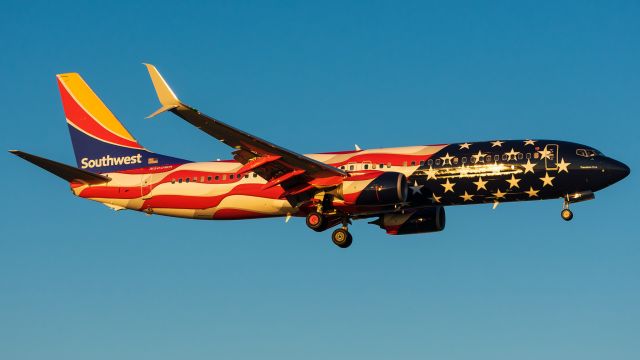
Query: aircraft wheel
x,y
566,214
316,221
342,238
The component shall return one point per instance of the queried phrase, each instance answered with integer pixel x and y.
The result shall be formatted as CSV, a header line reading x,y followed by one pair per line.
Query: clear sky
x,y
79,281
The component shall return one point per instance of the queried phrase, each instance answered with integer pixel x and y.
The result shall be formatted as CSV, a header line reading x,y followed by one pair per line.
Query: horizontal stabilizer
x,y
64,171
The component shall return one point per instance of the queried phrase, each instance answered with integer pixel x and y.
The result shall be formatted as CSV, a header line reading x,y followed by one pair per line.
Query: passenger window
x,y
520,156
473,160
187,180
504,157
209,178
381,166
464,159
351,167
180,181
488,158
246,176
366,166
342,167
455,161
421,162
430,162
437,162
413,163
231,176
217,177
173,181
255,175
528,156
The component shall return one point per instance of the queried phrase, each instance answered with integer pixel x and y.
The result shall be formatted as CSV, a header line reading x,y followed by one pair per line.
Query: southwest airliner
x,y
404,189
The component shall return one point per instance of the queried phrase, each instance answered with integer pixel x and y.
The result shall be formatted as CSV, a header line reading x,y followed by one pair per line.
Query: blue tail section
x,y
100,142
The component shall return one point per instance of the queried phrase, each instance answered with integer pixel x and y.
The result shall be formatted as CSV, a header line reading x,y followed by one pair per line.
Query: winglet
x,y
167,97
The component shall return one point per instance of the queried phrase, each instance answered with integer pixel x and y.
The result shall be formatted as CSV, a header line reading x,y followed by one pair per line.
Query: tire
x,y
566,214
342,238
316,221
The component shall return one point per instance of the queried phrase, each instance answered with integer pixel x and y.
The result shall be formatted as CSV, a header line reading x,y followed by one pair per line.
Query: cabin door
x,y
551,160
145,186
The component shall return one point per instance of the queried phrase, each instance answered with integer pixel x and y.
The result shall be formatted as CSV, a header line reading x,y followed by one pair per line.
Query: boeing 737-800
x,y
404,189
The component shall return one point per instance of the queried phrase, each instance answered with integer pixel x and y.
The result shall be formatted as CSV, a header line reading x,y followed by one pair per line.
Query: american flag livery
x,y
404,189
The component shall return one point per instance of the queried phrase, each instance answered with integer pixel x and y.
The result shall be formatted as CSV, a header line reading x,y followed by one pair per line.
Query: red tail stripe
x,y
80,118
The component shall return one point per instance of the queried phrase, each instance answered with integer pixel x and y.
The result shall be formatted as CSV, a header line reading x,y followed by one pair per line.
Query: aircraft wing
x,y
296,173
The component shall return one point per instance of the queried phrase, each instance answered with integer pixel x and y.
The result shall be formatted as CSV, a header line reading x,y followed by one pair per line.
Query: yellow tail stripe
x,y
92,104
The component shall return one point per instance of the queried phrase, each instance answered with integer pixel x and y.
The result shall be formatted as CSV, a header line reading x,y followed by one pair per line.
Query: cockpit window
x,y
588,153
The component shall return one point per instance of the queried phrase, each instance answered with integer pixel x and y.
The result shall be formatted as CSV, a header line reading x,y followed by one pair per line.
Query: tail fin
x,y
100,142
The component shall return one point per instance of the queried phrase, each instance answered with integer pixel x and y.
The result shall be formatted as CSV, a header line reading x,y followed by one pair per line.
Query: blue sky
x,y
78,281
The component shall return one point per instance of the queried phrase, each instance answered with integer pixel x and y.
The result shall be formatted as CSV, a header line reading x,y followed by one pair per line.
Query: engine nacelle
x,y
375,188
426,220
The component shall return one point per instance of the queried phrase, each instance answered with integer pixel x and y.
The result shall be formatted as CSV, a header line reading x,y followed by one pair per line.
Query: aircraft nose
x,y
616,170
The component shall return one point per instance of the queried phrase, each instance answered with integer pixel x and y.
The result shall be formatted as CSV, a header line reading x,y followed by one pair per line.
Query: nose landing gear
x,y
566,213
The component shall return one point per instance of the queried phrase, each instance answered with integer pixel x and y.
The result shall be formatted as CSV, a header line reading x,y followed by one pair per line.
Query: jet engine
x,y
426,220
371,189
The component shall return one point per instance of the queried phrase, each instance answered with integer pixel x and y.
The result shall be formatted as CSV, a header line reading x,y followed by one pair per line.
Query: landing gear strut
x,y
566,213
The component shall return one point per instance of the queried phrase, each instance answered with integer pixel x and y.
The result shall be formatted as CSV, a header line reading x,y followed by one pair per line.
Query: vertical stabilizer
x,y
100,142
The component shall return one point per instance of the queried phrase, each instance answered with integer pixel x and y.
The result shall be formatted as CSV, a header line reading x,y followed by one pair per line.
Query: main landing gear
x,y
319,222
566,213
316,221
342,238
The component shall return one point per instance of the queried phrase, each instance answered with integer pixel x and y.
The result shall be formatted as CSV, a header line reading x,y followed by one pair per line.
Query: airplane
x,y
404,189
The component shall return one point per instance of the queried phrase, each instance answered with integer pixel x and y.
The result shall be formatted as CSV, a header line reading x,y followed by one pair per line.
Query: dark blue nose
x,y
615,170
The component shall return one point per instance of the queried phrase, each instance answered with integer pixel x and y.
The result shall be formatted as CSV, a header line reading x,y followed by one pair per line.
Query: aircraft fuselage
x,y
453,174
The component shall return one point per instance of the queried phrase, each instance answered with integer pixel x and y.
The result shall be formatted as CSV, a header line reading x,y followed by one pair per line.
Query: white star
x,y
512,154
545,154
479,156
448,186
499,194
528,167
435,199
466,197
530,142
465,146
416,188
481,184
446,159
431,174
531,192
563,166
513,182
497,143
547,180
